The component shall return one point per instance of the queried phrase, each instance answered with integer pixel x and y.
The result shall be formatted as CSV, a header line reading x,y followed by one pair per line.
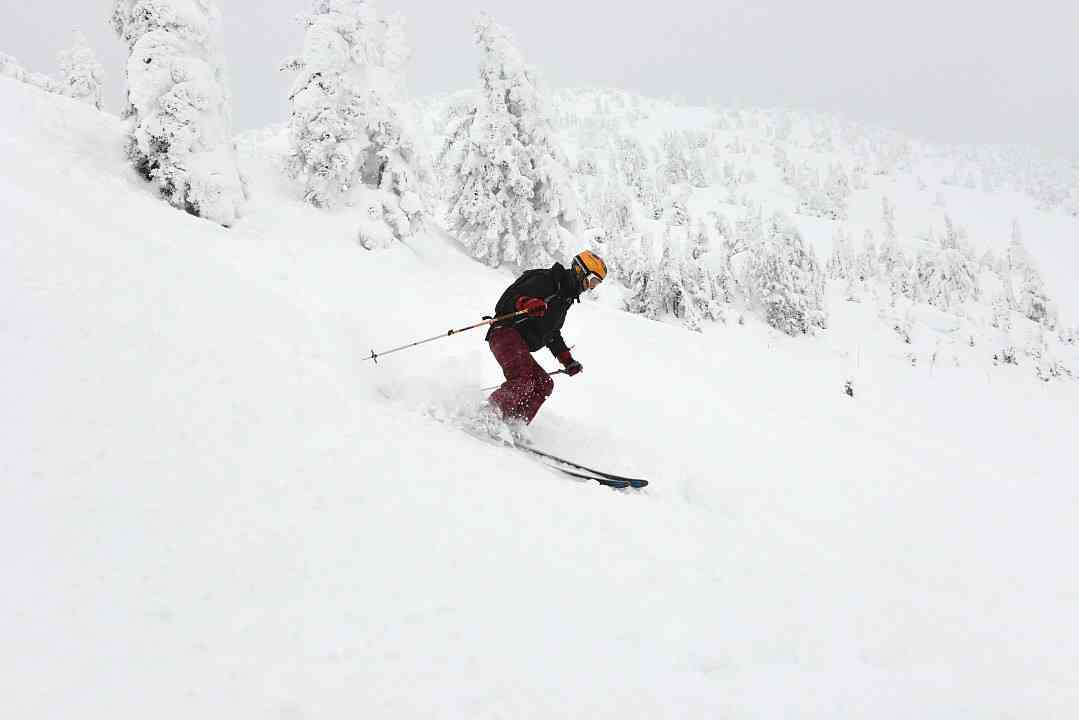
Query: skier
x,y
546,295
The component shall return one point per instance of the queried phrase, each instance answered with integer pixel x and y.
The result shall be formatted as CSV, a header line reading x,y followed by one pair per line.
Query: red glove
x,y
535,307
572,366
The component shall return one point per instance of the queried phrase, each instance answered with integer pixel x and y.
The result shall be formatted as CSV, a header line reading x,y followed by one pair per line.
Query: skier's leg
x,y
512,354
542,386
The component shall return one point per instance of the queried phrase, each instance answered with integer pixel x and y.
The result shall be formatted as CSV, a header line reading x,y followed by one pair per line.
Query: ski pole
x,y
553,372
489,321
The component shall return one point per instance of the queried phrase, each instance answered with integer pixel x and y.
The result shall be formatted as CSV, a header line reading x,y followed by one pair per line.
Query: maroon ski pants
x,y
527,383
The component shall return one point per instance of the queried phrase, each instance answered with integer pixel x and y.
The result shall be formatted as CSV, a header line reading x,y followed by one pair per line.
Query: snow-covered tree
x,y
350,124
784,277
636,173
676,285
866,263
888,219
676,206
841,263
837,190
81,75
676,163
180,136
1024,283
700,242
890,256
1002,314
512,199
946,276
953,234
824,200
901,278
1071,205
10,68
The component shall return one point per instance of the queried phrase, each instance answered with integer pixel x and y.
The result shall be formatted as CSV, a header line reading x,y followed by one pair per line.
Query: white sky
x,y
958,70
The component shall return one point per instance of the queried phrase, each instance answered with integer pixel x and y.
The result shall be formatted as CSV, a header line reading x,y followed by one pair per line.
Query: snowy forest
x,y
704,214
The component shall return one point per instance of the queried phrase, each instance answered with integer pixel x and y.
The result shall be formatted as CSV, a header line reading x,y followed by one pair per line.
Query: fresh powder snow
x,y
215,506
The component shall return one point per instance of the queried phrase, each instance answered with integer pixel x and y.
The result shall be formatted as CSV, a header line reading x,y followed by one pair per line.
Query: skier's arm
x,y
557,346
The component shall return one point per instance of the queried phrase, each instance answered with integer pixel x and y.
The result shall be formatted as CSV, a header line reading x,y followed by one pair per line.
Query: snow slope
x,y
214,507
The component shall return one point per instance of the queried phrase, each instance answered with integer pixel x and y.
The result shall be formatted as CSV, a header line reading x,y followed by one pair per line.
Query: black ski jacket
x,y
559,287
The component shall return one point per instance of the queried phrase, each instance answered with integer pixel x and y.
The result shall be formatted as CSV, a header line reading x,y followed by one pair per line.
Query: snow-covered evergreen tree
x,y
1002,314
827,200
180,135
888,219
700,242
10,68
837,190
953,235
785,278
676,285
867,263
676,206
1024,283
946,276
633,165
889,256
841,263
81,75
512,198
350,124
675,166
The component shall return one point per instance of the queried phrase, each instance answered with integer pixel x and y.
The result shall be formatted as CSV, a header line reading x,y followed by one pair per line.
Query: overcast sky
x,y
945,70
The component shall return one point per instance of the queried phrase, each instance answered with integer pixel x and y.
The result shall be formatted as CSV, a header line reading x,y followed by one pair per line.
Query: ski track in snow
x,y
215,507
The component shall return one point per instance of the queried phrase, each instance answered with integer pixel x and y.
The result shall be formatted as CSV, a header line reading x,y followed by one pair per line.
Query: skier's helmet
x,y
590,268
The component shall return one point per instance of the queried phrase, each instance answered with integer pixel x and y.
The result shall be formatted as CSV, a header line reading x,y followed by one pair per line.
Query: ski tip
x,y
623,484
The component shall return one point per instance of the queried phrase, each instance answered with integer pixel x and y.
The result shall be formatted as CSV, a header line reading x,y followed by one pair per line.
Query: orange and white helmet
x,y
590,268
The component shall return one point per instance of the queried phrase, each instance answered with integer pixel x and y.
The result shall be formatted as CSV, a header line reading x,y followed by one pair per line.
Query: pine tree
x,y
953,235
784,277
890,256
675,161
644,279
841,263
946,276
10,68
633,165
867,257
1031,298
350,125
81,75
888,218
1034,301
178,105
676,285
837,190
512,199
701,243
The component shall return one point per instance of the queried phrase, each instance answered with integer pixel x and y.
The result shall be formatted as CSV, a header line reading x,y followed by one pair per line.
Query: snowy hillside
x,y
214,507
964,254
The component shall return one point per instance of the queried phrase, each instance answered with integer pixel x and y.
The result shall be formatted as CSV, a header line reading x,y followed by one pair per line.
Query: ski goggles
x,y
592,280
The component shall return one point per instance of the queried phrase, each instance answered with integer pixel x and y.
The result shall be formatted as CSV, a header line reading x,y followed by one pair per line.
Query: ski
x,y
593,474
619,484
566,467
